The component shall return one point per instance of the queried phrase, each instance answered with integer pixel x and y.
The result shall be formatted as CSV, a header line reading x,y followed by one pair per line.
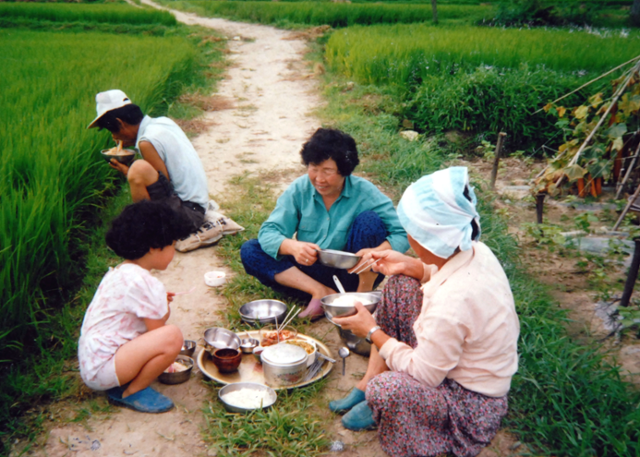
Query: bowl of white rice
x,y
343,305
243,397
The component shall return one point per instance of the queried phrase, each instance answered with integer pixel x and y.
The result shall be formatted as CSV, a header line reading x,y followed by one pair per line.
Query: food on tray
x,y
248,398
271,337
303,344
176,367
348,301
118,151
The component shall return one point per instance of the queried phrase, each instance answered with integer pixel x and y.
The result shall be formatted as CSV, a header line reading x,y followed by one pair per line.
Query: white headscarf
x,y
436,213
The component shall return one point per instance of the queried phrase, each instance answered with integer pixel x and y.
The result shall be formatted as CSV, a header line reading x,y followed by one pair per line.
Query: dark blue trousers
x,y
367,231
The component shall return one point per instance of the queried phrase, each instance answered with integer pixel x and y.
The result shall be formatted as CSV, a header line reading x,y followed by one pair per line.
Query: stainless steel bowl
x,y
338,259
188,348
246,385
180,376
355,343
263,311
247,345
370,301
126,157
220,338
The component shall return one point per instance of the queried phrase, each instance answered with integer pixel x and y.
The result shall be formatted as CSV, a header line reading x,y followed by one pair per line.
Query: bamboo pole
x,y
626,208
628,173
496,160
591,82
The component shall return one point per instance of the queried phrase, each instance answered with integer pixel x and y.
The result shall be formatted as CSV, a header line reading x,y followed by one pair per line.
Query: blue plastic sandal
x,y
359,418
345,404
145,401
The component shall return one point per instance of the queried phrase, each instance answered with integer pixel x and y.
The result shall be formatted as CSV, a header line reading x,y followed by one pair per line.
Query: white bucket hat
x,y
107,101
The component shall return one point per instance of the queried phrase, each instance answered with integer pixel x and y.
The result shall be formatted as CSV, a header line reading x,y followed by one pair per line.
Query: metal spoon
x,y
344,353
339,284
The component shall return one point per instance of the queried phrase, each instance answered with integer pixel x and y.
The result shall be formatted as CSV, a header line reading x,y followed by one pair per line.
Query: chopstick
x,y
186,291
285,318
361,269
290,319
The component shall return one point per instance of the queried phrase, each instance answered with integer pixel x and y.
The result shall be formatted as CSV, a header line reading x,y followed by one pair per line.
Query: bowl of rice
x,y
343,305
243,397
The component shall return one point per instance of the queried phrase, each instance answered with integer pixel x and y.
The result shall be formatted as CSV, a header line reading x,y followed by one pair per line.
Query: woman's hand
x,y
391,263
360,323
305,253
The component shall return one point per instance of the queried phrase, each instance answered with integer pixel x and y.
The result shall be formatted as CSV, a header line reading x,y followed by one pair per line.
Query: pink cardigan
x,y
467,329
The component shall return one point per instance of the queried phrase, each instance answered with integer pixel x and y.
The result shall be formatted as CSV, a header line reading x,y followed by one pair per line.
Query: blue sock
x,y
345,404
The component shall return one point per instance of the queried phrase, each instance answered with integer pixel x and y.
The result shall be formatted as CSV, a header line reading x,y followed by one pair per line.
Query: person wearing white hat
x,y
170,168
443,353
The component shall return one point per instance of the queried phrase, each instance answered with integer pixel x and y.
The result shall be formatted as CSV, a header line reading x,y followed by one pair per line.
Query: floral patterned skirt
x,y
417,420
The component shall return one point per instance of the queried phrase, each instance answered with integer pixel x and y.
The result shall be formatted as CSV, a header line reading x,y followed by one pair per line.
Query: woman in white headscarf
x,y
444,338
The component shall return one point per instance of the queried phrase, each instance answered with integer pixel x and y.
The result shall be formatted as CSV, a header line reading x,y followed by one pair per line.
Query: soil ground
x,y
262,120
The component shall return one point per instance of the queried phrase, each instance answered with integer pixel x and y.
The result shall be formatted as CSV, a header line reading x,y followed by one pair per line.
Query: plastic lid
x,y
284,354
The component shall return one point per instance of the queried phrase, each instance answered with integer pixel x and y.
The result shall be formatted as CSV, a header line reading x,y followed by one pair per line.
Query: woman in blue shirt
x,y
327,208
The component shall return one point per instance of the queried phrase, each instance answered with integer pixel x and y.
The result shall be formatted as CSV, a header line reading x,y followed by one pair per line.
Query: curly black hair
x,y
131,114
333,144
145,225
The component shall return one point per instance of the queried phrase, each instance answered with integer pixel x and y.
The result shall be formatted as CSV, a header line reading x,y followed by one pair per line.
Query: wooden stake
x,y
632,276
540,207
496,161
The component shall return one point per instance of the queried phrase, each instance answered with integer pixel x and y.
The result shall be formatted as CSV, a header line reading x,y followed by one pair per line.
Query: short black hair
x,y
333,144
145,225
130,113
475,230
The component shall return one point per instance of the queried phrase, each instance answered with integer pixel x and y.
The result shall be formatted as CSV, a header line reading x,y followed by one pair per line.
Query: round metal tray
x,y
251,371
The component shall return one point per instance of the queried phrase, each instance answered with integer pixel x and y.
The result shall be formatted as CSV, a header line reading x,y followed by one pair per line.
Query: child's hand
x,y
170,296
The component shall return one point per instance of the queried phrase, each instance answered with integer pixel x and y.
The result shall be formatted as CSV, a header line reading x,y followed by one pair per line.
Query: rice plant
x,y
65,12
405,54
51,172
333,14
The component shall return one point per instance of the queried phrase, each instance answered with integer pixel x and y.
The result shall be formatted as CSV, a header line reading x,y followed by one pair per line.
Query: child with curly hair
x,y
125,342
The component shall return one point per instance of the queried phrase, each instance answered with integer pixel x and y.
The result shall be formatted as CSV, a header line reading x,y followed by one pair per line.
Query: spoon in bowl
x,y
339,284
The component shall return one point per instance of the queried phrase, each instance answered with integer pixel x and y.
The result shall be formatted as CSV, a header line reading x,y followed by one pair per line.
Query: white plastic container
x,y
214,278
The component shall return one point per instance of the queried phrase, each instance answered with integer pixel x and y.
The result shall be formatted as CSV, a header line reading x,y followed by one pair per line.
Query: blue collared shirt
x,y
300,209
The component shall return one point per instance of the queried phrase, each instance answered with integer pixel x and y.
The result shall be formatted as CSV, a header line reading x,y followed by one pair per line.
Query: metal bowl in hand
x,y
338,259
125,156
263,311
342,305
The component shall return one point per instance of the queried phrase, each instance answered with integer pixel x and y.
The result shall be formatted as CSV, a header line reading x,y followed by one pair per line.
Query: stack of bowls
x,y
263,312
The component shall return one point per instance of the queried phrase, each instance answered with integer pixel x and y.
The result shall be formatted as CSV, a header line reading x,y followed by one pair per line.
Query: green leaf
x,y
581,112
574,172
616,131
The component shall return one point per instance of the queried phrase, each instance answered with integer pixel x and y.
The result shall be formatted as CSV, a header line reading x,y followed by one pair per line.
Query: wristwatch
x,y
371,332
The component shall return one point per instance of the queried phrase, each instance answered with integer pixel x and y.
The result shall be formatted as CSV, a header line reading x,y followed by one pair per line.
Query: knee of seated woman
x,y
173,338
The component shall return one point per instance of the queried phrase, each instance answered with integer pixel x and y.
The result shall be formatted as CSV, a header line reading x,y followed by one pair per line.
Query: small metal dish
x,y
188,348
125,158
248,344
272,395
338,259
178,376
263,311
220,338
